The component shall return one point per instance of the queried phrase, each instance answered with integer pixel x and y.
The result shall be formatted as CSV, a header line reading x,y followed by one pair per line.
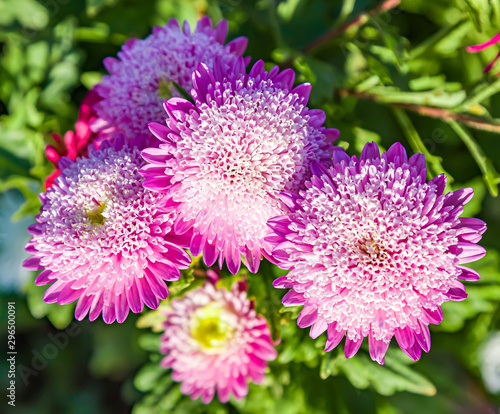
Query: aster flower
x,y
374,251
214,340
225,159
482,46
74,143
141,78
100,239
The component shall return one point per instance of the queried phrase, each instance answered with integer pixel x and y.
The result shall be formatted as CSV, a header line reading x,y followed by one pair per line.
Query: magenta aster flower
x,y
225,159
478,48
373,250
214,340
141,78
100,238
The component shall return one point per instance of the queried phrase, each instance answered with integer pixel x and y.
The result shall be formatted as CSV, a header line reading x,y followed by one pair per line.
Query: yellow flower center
x,y
211,327
96,217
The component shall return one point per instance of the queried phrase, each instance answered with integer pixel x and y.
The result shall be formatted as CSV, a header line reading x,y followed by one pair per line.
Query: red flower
x,y
74,143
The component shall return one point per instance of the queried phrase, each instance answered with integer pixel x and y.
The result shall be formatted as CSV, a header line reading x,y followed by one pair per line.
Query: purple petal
x,y
134,298
434,316
307,317
304,91
83,306
370,152
424,337
469,275
44,277
237,46
32,263
318,328
293,298
252,258
377,349
340,155
440,183
457,292
351,347
282,283
121,308
35,229
257,69
334,336
221,31
210,253
68,295
286,78
404,337
331,134
468,252
459,198
318,169
414,352
397,154
233,258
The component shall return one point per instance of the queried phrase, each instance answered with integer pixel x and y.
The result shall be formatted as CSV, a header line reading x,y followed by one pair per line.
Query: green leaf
x,y
150,342
437,97
147,377
395,375
363,136
490,175
90,79
182,92
95,6
433,163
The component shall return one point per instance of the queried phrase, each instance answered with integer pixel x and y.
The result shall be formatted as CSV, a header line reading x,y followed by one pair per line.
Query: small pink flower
x,y
100,239
74,143
478,48
224,159
374,250
214,341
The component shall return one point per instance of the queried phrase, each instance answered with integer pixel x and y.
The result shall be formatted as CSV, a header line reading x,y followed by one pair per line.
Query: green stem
x,y
490,176
480,96
411,134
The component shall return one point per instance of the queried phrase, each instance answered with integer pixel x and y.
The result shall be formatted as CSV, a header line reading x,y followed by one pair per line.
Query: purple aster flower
x,y
225,159
141,78
373,250
101,239
214,340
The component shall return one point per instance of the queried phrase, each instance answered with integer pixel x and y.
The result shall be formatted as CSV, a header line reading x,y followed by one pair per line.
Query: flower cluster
x,y
245,170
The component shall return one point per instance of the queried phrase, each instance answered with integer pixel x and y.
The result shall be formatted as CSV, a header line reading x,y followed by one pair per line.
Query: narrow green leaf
x,y
433,163
182,92
490,175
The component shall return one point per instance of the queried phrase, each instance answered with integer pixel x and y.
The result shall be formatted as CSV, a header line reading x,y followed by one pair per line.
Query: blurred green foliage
x,y
384,76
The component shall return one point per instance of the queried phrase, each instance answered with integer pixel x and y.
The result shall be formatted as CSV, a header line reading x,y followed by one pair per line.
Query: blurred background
x,y
382,71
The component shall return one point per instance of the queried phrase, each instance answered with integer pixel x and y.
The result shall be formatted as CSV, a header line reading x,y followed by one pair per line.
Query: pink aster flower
x,y
374,251
100,239
214,340
478,48
224,160
74,143
141,78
